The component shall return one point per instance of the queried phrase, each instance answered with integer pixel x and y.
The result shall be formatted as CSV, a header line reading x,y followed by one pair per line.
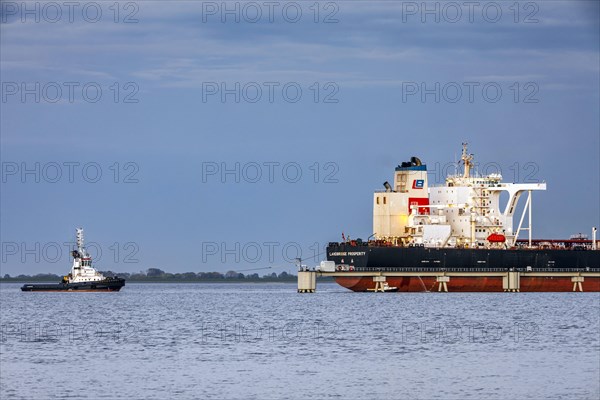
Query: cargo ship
x,y
459,237
82,278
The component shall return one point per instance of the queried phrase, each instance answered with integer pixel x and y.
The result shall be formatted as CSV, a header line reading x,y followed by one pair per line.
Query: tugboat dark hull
x,y
106,285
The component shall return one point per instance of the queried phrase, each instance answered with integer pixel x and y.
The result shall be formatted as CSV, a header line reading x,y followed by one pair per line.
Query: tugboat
x,y
82,278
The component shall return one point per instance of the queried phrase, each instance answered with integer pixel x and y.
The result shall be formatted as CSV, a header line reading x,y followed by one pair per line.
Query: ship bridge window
x,y
377,200
385,200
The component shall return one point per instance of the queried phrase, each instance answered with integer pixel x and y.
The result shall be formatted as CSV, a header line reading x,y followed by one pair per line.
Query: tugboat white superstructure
x,y
82,277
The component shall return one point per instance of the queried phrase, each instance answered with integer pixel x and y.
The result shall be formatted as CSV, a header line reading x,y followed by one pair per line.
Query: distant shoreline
x,y
155,275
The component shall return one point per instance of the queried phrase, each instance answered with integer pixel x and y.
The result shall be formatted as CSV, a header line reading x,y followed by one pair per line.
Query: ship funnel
x,y
388,187
415,161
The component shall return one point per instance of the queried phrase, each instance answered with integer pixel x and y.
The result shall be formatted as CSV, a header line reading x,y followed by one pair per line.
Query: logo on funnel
x,y
418,183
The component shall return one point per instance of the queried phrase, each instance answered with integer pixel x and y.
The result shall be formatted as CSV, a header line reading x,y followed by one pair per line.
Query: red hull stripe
x,y
469,284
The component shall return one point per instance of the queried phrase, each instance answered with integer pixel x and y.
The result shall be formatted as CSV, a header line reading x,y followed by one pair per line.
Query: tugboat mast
x,y
79,237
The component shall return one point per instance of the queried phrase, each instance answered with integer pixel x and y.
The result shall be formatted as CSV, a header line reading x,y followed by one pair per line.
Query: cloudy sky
x,y
201,136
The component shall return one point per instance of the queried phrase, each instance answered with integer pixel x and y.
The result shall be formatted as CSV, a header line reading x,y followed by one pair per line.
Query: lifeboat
x,y
496,238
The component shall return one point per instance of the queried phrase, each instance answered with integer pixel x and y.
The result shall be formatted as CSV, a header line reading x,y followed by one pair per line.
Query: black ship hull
x,y
383,258
106,285
473,265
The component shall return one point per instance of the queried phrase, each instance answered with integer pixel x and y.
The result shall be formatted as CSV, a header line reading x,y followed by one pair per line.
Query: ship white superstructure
x,y
464,212
82,270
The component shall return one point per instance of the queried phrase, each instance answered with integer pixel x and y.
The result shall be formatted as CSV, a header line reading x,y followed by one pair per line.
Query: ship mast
x,y
466,159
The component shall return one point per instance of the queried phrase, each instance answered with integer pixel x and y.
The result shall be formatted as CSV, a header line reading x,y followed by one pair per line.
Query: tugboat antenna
x,y
80,240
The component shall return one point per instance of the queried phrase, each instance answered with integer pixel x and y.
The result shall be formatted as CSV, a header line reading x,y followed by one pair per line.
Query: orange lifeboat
x,y
496,238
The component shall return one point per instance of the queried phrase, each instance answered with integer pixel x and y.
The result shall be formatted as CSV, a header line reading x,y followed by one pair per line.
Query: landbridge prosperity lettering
x,y
347,253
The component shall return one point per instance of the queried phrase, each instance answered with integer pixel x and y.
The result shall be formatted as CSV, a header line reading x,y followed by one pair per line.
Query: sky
x,y
216,136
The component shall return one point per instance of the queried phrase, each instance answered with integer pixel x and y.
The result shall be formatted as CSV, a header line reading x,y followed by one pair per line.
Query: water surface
x,y
246,341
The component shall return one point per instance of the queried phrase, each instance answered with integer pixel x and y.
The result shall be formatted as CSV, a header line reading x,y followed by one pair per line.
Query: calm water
x,y
247,341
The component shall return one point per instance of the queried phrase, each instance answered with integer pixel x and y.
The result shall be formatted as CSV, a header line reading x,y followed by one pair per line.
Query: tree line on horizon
x,y
156,274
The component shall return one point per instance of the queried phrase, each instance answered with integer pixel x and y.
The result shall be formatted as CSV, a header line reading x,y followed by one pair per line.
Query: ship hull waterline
x,y
113,285
468,284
